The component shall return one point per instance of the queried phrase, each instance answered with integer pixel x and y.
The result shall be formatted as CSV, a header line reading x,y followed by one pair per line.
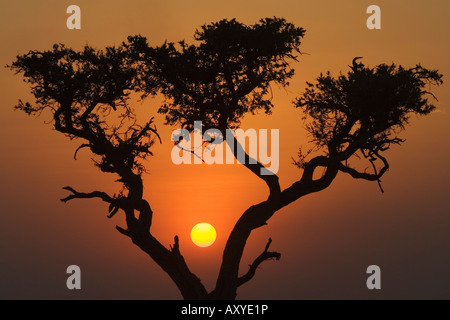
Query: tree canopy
x,y
228,72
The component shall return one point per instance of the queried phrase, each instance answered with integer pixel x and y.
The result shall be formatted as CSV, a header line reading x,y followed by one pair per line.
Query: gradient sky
x,y
326,240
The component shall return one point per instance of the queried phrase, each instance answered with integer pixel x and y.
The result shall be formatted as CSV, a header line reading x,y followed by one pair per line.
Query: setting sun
x,y
203,234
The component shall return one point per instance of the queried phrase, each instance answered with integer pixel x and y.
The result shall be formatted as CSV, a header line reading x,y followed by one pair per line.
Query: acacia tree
x,y
226,74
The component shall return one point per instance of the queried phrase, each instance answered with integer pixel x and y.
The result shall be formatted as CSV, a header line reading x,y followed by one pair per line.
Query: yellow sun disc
x,y
203,234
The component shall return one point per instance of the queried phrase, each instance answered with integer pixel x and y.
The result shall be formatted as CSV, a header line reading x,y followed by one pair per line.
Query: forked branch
x,y
368,176
115,203
265,255
81,195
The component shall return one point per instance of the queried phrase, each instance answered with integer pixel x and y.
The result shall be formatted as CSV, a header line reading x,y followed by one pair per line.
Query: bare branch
x,y
176,246
368,176
191,151
265,255
81,195
113,209
123,231
372,162
147,128
84,145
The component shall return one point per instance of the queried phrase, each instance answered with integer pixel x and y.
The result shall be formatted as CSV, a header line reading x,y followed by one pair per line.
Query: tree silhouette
x,y
226,74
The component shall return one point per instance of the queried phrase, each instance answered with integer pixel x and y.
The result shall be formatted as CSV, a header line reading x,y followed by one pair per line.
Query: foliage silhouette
x,y
361,112
228,73
224,75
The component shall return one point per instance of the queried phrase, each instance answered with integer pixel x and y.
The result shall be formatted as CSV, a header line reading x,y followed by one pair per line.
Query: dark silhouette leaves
x,y
363,110
228,73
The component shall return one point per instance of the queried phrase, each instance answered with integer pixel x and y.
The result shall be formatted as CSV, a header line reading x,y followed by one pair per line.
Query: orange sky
x,y
327,239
